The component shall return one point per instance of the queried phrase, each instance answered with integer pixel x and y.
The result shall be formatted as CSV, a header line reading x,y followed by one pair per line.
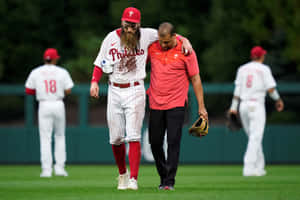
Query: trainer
x,y
168,94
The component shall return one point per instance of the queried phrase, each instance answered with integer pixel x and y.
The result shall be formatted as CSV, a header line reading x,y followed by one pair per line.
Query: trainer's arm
x,y
198,89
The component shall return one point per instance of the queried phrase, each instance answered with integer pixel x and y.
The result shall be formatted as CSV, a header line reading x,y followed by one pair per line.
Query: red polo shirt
x,y
170,73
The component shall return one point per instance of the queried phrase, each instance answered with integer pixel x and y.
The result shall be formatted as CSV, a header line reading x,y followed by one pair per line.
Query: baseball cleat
x,y
123,181
132,185
46,174
60,171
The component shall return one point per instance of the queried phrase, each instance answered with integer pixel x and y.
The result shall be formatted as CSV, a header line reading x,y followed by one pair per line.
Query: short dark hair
x,y
166,28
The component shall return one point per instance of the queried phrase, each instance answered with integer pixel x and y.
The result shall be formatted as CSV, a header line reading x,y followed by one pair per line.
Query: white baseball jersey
x,y
253,80
50,82
111,51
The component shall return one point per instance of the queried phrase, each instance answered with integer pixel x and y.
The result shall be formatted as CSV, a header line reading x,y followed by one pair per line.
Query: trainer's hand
x,y
203,113
94,90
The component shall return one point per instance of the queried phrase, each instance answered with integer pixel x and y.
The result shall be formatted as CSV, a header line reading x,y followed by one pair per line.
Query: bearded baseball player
x,y
253,81
50,83
123,55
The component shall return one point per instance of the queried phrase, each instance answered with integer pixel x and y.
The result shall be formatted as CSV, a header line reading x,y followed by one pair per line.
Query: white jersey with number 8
x,y
50,82
253,80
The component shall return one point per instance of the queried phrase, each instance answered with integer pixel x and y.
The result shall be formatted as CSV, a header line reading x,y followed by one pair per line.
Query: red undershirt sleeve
x,y
30,91
97,74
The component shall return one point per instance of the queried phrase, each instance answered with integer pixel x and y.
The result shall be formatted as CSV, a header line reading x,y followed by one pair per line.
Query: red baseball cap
x,y
131,14
257,52
51,54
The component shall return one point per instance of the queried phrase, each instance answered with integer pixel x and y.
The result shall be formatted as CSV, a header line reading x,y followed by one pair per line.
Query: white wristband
x,y
274,95
234,104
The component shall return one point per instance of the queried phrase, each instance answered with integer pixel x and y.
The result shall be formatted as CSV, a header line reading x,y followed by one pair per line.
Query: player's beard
x,y
130,40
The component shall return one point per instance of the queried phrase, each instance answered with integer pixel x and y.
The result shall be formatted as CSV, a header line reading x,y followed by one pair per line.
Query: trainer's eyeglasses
x,y
127,25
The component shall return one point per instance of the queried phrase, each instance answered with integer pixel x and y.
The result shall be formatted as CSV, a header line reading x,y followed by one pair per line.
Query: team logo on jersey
x,y
115,54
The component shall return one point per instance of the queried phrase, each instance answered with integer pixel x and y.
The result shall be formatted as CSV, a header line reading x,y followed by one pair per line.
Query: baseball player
x,y
123,55
50,83
253,81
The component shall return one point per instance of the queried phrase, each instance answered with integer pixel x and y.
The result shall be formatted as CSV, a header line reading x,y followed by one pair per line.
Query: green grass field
x,y
200,182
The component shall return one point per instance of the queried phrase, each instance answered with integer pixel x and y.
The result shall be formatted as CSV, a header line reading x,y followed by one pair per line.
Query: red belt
x,y
124,85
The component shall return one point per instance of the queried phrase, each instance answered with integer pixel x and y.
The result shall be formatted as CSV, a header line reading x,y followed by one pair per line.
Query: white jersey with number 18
x,y
49,82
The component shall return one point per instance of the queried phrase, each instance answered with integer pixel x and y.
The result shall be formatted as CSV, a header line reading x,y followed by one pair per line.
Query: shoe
x,y
161,187
123,181
260,172
46,174
132,184
169,187
60,172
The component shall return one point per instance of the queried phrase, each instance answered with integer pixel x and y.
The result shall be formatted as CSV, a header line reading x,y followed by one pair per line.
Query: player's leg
x,y
116,125
60,139
248,168
260,125
134,107
45,121
157,127
256,128
175,119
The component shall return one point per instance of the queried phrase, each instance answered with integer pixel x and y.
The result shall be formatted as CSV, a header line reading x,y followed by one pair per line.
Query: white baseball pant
x,y
253,116
51,115
125,113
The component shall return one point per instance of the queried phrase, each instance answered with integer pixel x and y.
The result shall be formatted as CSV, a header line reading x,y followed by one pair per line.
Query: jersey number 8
x,y
249,81
50,86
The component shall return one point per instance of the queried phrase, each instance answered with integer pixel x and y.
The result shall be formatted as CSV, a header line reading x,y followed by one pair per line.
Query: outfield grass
x,y
194,182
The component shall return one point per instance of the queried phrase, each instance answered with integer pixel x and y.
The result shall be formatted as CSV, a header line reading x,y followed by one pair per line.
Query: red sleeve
x,y
192,64
30,91
97,74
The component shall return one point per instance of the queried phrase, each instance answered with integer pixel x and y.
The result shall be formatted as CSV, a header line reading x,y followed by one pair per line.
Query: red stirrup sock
x,y
134,158
120,157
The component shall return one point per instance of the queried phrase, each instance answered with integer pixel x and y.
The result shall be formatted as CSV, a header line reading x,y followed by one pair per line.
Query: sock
x,y
120,157
134,158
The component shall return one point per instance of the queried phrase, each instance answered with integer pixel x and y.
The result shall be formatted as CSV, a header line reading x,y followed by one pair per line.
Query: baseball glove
x,y
233,121
199,128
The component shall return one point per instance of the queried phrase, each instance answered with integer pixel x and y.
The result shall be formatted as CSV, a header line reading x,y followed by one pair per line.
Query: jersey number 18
x,y
50,86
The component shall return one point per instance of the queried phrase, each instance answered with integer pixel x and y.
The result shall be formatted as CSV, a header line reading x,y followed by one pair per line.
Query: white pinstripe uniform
x,y
252,83
50,82
126,106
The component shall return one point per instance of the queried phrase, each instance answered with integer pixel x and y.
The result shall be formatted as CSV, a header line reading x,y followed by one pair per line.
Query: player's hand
x,y
203,113
279,105
232,111
186,46
94,90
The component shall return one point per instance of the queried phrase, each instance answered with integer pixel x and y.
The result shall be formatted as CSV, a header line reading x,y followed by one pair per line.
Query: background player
x,y
50,83
123,54
168,93
252,81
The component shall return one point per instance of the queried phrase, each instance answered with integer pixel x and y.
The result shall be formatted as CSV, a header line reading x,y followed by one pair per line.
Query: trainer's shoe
x,y
132,185
46,174
161,187
169,187
123,181
60,171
